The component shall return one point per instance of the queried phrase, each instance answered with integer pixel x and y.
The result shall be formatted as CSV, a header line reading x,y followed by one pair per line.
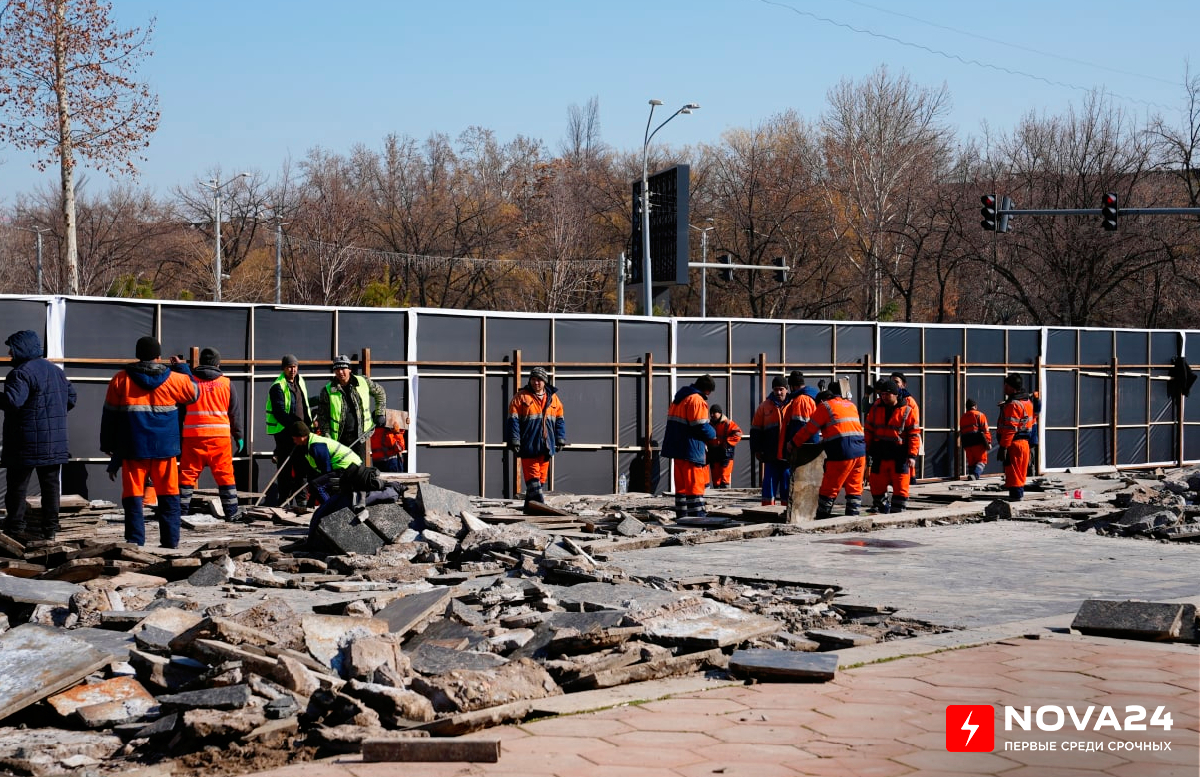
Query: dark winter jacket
x,y
37,396
141,418
688,429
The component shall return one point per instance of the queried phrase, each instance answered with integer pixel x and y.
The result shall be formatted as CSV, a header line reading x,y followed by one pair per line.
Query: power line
x,y
958,58
442,262
1017,46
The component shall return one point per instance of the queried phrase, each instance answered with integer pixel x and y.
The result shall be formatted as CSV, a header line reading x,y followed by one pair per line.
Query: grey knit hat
x,y
539,372
289,360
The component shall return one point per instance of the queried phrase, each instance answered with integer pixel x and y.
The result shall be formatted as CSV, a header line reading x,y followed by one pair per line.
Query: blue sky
x,y
245,85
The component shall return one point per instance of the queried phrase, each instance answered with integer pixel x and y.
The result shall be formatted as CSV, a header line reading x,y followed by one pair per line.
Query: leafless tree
x,y
68,81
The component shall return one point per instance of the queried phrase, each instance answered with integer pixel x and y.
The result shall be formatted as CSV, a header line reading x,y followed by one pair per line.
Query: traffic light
x,y
726,275
1006,204
1108,212
988,211
781,274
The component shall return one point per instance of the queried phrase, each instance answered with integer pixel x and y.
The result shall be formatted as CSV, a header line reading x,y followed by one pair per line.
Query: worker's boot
x,y
681,506
185,499
977,472
853,504
899,504
880,504
696,506
229,501
1016,494
824,508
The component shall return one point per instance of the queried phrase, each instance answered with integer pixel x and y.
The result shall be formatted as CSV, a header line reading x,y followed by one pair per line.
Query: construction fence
x,y
1104,392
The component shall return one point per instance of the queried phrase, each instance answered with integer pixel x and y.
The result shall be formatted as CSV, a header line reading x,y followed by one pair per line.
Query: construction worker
x,y
835,422
140,426
387,447
1014,429
892,432
976,438
722,448
325,462
801,404
686,440
287,403
537,429
768,434
212,433
343,410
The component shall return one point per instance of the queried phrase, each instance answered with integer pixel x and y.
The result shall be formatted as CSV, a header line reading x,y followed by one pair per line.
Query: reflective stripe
x,y
208,416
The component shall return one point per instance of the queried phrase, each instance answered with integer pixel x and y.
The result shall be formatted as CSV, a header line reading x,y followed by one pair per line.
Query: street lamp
x,y
647,278
704,270
216,186
39,231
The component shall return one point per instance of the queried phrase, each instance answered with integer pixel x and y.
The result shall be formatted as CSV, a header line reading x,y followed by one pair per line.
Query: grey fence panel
x,y
638,338
1132,446
1095,446
1024,346
748,340
699,341
985,346
449,338
900,346
1060,448
17,315
205,326
852,342
1133,347
1062,347
306,334
1095,347
809,344
577,340
1133,406
1165,345
943,344
531,336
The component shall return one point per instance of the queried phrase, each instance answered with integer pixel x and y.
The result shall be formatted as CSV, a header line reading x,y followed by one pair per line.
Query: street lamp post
x,y
216,186
647,278
39,231
704,270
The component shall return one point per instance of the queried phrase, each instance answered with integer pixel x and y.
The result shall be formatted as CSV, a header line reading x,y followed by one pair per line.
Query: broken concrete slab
x,y
26,676
653,670
708,623
389,520
326,635
433,660
40,750
1130,619
229,697
470,690
117,644
431,750
433,500
212,724
640,601
785,665
19,590
89,694
346,534
396,707
630,527
406,613
838,638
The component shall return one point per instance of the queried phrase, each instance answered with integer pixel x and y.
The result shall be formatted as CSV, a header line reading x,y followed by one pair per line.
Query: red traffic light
x,y
988,211
1108,212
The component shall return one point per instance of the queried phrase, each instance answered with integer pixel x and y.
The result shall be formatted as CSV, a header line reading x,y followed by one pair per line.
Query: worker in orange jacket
x,y
140,426
768,435
721,449
212,433
892,432
835,421
686,442
976,438
1015,429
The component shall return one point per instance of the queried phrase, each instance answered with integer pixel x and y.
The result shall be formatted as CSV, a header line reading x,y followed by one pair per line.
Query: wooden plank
x,y
431,749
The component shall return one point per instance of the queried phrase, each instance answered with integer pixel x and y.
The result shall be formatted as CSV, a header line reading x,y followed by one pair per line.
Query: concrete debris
x,y
431,612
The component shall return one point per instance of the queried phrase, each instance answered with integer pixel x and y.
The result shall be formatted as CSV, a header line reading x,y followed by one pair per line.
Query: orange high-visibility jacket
x,y
973,428
1016,420
897,428
208,416
836,420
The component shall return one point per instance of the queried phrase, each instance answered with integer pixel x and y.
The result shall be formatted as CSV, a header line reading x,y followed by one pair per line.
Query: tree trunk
x,y
66,151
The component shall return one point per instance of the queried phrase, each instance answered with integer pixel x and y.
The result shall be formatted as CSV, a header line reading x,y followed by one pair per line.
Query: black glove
x,y
1002,455
560,444
380,421
514,446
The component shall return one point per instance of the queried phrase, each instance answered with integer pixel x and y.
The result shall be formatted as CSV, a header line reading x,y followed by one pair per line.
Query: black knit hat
x,y
705,383
1015,381
715,410
210,357
796,379
888,386
147,349
972,404
779,382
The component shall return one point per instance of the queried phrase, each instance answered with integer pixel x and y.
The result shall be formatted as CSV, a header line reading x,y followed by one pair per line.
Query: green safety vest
x,y
336,403
339,454
274,425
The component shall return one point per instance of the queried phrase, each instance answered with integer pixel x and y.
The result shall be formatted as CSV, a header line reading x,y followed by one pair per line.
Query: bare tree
x,y
68,82
882,137
582,143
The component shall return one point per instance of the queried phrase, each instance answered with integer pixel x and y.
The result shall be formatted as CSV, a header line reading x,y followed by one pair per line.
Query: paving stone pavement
x,y
962,575
881,719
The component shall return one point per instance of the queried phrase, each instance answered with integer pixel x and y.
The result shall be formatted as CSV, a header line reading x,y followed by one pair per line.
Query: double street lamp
x,y
647,277
39,231
704,261
216,186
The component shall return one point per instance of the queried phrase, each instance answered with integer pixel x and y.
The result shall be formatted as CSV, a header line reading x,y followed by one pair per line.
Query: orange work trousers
x,y
888,475
722,474
162,473
846,474
690,479
976,454
216,453
535,468
1016,466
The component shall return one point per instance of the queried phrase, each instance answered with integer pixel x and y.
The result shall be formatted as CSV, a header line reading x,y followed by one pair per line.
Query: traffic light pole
x,y
704,267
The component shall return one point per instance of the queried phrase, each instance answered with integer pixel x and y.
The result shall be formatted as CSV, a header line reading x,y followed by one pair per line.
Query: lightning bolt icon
x,y
966,726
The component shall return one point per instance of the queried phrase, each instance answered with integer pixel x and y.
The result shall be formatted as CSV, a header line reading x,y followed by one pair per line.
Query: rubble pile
x,y
432,615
